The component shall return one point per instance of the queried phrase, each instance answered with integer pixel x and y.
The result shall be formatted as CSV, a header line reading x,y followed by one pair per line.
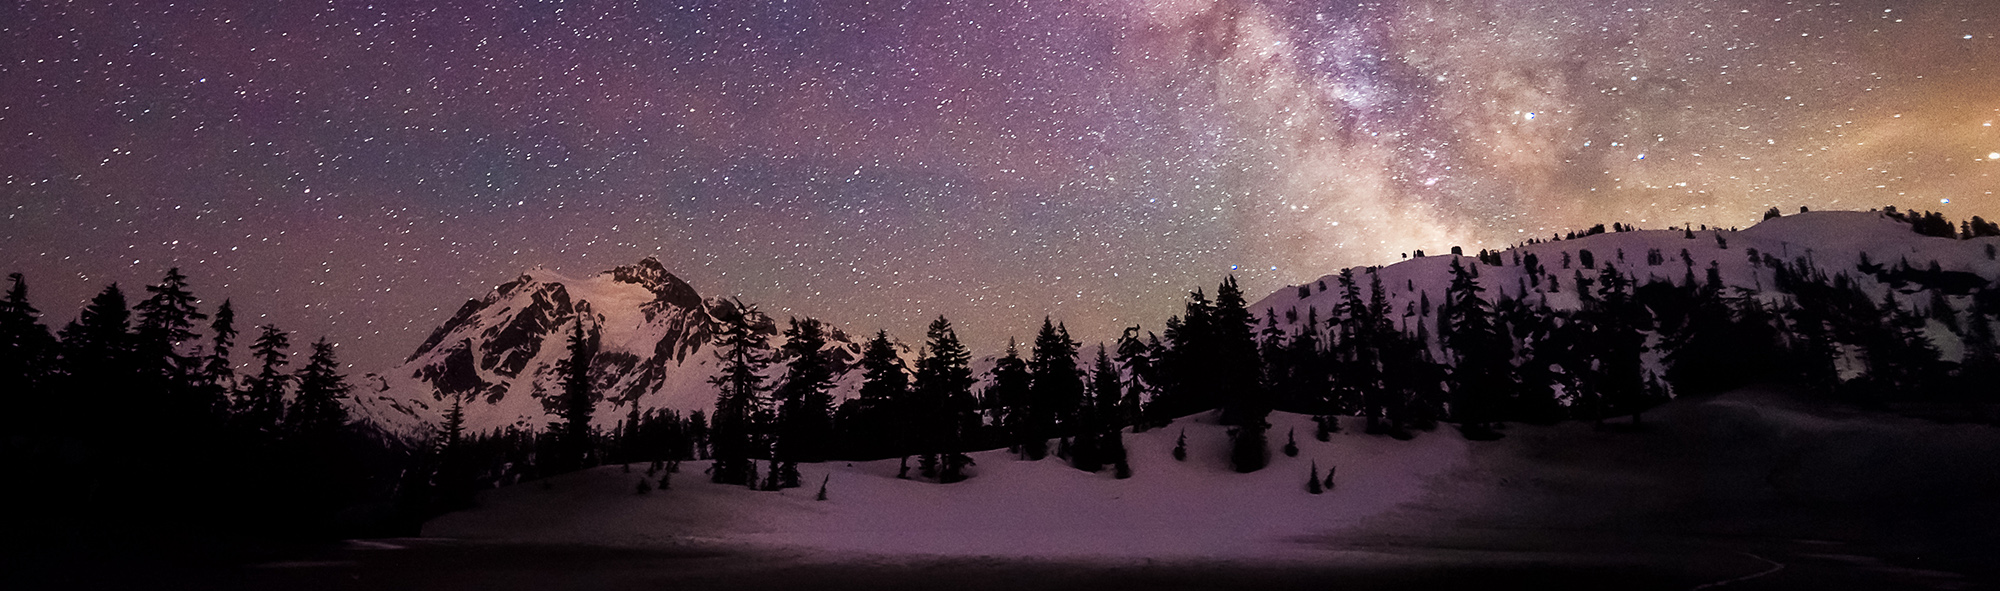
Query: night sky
x,y
357,170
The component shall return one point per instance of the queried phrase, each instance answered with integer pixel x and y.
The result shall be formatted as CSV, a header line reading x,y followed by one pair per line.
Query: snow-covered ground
x,y
1760,486
1009,508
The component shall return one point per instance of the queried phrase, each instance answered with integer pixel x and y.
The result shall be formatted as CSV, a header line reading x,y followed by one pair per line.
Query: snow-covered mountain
x,y
500,351
653,330
1878,251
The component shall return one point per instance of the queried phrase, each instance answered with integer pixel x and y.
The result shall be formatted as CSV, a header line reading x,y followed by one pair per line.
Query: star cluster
x,y
357,169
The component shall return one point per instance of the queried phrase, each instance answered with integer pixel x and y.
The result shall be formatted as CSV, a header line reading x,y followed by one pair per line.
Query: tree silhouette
x,y
943,395
576,402
316,413
805,410
742,353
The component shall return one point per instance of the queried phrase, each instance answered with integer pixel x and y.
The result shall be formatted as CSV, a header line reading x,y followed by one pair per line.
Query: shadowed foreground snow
x,y
1009,508
1757,489
1746,491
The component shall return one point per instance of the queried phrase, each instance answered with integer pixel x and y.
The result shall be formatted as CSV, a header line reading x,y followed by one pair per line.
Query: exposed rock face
x,y
499,352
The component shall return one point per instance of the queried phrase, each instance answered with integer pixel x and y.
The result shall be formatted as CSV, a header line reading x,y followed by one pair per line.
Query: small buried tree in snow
x,y
644,486
1180,446
927,465
1249,450
1292,443
772,478
1312,481
952,467
822,488
666,480
1328,485
788,475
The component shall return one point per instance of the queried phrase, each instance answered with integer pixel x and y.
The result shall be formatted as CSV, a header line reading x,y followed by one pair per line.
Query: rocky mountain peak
x,y
652,275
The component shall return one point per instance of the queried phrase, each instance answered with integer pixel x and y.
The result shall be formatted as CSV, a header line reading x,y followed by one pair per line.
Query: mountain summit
x,y
498,353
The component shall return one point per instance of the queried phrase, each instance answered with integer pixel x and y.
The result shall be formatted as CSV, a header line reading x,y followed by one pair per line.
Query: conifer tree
x,y
1187,362
1305,386
1312,480
878,423
260,407
26,354
1617,322
316,413
1010,394
99,343
166,320
1135,360
578,400
1098,431
805,408
1275,364
1235,360
742,353
1056,391
1481,381
943,394
455,476
452,432
1107,389
1249,450
218,374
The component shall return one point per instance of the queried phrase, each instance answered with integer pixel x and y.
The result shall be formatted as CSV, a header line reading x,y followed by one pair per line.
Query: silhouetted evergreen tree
x,y
1617,340
456,476
877,422
27,353
1096,418
805,409
1245,402
742,353
1056,390
1010,395
1305,386
1188,384
260,406
218,373
166,320
576,402
316,412
1481,374
943,399
1135,360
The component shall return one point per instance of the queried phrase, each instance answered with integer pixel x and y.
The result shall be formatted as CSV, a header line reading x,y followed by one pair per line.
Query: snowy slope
x,y
1830,241
1199,508
500,352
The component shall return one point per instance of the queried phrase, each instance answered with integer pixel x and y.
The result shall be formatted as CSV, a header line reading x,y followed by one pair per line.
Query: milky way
x,y
358,169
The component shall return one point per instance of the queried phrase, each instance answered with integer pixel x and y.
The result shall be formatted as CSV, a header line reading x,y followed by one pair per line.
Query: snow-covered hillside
x,y
1832,242
500,352
1719,489
1199,508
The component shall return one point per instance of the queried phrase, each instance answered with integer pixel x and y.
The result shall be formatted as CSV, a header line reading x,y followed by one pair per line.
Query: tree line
x,y
129,421
136,421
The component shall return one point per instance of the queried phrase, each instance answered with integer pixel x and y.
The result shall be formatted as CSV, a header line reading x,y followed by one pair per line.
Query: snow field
x,y
1199,508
